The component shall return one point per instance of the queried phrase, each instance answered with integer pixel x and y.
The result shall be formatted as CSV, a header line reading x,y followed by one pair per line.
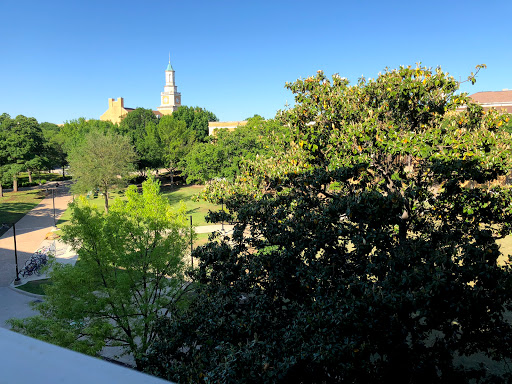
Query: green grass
x,y
35,286
200,239
14,205
97,201
175,195
196,209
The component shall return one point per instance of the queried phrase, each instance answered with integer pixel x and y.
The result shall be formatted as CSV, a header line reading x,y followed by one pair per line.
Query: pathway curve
x,y
30,233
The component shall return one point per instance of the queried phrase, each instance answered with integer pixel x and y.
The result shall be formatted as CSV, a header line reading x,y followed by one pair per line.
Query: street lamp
x,y
17,281
53,198
191,246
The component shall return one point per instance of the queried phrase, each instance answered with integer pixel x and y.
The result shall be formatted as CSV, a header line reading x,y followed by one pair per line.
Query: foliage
x,y
54,146
21,147
101,161
224,156
130,269
177,140
135,126
372,261
73,132
196,119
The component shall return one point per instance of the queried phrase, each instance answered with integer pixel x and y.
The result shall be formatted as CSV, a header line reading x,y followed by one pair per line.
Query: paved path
x,y
214,227
30,232
14,305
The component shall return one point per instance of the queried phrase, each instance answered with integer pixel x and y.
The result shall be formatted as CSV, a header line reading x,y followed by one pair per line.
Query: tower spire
x,y
170,97
169,66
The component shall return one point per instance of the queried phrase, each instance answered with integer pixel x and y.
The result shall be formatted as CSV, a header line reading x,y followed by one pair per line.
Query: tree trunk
x,y
105,194
15,184
29,175
1,190
63,171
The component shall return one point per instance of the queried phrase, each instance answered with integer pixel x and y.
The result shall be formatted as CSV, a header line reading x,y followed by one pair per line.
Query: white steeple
x,y
170,98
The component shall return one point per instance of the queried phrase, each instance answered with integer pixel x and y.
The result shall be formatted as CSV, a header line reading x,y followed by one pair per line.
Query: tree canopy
x,y
130,271
225,154
21,146
365,252
101,161
196,119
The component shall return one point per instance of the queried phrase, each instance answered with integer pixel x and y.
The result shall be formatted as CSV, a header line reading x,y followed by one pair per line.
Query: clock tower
x,y
170,98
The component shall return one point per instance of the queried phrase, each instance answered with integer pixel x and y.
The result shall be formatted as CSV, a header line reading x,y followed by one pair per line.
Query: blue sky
x,y
61,60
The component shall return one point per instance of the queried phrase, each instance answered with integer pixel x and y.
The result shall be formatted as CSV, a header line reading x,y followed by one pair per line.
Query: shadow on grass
x,y
35,286
12,212
191,211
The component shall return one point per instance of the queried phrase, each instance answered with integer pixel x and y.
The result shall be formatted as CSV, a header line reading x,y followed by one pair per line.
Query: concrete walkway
x,y
31,230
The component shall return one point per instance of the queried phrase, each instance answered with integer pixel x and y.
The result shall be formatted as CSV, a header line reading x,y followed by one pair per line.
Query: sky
x,y
62,60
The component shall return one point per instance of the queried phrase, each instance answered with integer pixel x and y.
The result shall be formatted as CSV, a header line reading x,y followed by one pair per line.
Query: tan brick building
x,y
170,100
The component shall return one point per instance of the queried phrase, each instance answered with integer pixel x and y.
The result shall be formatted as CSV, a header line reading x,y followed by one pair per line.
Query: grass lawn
x,y
175,194
35,286
196,209
14,205
97,201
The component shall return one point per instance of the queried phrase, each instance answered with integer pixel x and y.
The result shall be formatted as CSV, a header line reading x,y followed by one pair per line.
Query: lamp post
x,y
191,258
17,280
53,198
222,202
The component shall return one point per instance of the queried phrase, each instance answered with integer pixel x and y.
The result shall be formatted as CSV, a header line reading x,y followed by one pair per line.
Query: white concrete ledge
x,y
24,360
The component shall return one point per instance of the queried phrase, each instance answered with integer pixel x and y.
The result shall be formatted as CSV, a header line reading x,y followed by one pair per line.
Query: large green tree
x,y
101,161
23,146
196,119
177,141
135,126
73,132
130,270
54,146
223,155
362,255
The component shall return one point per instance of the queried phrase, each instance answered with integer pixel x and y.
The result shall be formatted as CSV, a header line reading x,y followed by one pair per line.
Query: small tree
x,y
101,161
130,271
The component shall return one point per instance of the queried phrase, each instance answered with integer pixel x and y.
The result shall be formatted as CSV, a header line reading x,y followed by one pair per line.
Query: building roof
x,y
169,67
494,99
231,125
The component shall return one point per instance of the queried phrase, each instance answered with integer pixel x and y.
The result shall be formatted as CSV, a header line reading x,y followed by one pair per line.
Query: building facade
x,y
500,100
170,100
116,111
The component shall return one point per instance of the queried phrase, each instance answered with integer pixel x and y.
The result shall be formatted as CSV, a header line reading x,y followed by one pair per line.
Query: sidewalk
x,y
31,231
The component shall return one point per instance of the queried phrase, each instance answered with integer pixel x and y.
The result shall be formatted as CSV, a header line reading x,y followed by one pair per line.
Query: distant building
x,y
116,111
170,100
500,100
230,125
